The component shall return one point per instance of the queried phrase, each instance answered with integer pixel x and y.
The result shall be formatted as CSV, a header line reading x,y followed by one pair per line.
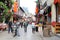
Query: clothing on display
x,y
42,11
49,9
49,3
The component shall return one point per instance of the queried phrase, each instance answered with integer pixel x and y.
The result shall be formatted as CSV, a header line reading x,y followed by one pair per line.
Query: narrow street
x,y
40,18
26,36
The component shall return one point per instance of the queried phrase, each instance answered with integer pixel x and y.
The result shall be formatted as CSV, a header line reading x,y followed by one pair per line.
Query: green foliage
x,y
8,3
5,12
6,6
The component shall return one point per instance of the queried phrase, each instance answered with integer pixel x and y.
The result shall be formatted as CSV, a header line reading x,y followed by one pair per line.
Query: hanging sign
x,y
15,8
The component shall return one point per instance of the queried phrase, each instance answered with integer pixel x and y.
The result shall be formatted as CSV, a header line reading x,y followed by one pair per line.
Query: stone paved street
x,y
26,36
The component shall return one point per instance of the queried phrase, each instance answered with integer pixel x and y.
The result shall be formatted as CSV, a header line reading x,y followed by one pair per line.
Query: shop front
x,y
57,26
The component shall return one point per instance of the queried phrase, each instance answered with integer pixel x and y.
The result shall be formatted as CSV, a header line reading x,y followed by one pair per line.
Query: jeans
x,y
10,29
17,32
25,29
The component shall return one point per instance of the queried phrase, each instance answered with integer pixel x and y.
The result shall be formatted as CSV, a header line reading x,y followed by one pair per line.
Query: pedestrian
x,y
25,26
17,28
37,27
10,26
16,24
21,23
33,27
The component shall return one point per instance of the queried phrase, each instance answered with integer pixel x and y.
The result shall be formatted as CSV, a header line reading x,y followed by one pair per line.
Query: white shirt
x,y
33,25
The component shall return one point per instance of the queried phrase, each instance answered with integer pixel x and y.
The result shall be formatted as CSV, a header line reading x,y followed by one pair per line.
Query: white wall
x,y
53,13
18,3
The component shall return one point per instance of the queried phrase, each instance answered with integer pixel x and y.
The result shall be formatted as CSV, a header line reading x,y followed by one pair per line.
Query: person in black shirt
x,y
10,27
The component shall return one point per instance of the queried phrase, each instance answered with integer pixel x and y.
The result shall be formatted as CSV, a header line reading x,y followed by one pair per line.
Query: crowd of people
x,y
14,26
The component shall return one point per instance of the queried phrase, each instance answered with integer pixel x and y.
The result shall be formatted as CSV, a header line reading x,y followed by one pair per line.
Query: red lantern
x,y
53,23
55,1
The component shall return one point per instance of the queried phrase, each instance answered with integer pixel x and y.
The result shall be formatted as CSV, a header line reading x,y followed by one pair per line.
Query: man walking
x,y
16,23
25,26
10,27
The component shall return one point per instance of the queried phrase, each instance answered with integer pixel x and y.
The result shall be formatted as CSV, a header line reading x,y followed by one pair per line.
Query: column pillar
x,y
53,16
53,13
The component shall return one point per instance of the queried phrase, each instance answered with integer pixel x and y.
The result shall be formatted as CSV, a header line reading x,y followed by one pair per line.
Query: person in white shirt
x,y
33,27
16,23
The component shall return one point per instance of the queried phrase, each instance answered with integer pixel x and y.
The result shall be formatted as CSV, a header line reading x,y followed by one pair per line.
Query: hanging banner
x,y
36,11
15,8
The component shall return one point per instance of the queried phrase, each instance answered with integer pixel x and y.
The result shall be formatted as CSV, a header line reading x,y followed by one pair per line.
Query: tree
x,y
5,6
8,3
3,9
